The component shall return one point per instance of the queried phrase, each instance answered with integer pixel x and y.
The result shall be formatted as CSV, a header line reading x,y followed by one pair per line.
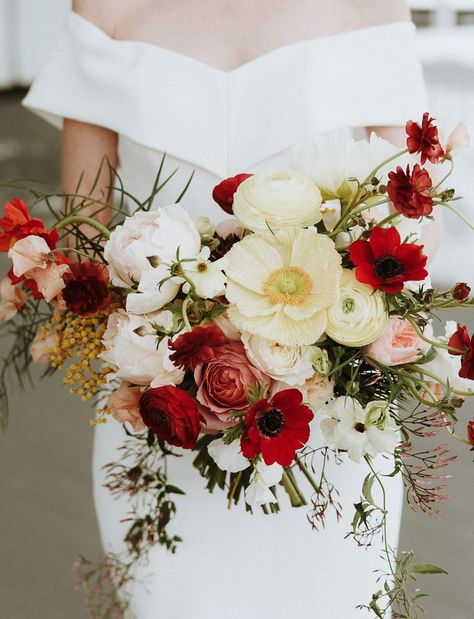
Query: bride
x,y
226,87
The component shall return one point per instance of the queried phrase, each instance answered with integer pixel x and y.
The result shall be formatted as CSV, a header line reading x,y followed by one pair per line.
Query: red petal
x,y
287,399
384,241
360,251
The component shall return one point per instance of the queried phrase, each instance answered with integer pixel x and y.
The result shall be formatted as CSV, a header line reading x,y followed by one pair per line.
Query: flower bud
x,y
460,291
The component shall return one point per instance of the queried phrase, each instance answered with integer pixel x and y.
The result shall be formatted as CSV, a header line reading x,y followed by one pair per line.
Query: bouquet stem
x,y
81,219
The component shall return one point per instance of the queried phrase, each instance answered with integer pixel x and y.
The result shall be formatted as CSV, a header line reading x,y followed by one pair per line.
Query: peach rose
x,y
124,406
398,344
223,383
12,299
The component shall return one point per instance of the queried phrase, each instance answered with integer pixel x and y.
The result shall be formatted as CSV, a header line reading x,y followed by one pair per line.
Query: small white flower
x,y
264,477
155,290
228,457
331,213
206,276
344,239
357,430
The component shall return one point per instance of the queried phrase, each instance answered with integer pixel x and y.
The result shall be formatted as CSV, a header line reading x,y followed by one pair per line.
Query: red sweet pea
x,y
276,428
86,291
17,223
196,347
172,414
409,191
470,432
424,139
461,344
386,263
223,193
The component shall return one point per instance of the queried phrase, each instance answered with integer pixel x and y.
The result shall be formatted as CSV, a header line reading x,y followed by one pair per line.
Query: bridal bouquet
x,y
309,310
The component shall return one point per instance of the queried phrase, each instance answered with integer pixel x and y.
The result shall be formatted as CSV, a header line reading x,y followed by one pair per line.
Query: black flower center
x,y
387,267
359,427
271,423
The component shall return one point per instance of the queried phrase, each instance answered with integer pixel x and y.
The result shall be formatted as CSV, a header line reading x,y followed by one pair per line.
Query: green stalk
x,y
304,469
291,490
80,219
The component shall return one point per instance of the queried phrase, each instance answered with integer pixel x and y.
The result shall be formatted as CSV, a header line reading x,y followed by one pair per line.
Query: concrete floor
x,y
46,511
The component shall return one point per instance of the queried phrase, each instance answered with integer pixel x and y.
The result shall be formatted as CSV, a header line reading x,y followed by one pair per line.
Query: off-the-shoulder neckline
x,y
249,63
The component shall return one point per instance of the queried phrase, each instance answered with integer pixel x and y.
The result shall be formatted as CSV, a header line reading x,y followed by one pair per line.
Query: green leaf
x,y
428,568
173,490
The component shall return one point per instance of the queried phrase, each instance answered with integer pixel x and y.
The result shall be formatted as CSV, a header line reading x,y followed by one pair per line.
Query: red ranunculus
x,y
86,291
196,347
460,291
172,414
277,428
424,139
386,263
223,193
461,344
470,432
17,223
409,191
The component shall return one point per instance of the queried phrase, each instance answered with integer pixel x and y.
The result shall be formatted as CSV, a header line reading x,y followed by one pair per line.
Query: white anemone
x,y
280,285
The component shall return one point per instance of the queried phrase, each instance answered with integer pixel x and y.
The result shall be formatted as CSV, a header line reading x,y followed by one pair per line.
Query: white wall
x,y
28,31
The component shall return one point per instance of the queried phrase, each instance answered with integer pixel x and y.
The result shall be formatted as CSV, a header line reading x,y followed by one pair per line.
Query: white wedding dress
x,y
231,564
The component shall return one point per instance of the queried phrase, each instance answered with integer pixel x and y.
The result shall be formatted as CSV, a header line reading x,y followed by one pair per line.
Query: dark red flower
x,y
461,344
196,347
172,414
276,428
409,191
17,223
86,291
460,291
470,432
424,139
223,193
386,263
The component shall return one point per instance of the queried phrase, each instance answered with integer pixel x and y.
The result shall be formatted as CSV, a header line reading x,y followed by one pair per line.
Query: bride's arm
x,y
86,149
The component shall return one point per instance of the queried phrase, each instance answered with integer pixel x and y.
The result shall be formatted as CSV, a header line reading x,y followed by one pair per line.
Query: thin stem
x,y
458,213
291,490
388,219
80,219
434,343
422,370
184,309
304,469
383,164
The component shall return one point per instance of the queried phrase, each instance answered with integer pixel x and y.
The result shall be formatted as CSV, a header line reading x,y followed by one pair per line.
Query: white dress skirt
x,y
231,564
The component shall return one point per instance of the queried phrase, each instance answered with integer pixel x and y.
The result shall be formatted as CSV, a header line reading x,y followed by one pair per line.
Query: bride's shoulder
x,y
107,15
361,13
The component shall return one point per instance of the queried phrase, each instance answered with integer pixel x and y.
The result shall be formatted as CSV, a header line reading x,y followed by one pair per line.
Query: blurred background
x,y
46,510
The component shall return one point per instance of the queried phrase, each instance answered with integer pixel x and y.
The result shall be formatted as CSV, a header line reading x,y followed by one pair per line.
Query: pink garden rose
x,y
124,406
398,344
223,383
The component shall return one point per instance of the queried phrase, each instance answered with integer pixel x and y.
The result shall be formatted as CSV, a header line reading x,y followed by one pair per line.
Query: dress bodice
x,y
218,122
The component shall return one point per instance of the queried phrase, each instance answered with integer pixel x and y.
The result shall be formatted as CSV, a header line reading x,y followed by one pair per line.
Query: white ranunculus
x,y
145,239
206,276
264,477
277,201
359,316
357,430
131,350
332,158
228,457
290,364
280,285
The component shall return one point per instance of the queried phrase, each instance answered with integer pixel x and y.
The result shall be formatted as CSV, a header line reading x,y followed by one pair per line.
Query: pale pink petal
x,y
32,252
